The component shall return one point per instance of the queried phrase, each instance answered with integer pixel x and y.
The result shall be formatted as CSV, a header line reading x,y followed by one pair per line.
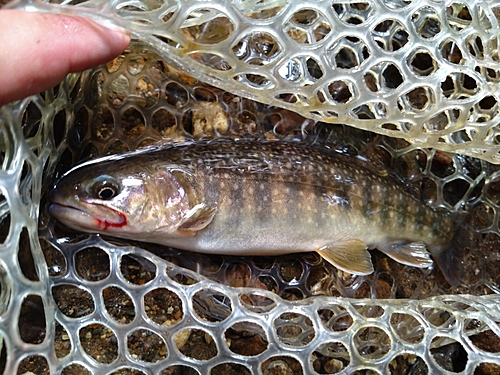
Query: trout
x,y
256,198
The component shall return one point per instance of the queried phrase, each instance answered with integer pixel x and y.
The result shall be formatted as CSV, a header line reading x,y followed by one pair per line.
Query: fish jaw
x,y
79,219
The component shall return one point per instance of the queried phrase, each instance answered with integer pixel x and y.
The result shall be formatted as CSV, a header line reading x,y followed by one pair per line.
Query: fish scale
x,y
256,198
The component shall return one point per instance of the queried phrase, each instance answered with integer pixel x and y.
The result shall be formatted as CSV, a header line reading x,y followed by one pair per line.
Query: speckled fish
x,y
255,198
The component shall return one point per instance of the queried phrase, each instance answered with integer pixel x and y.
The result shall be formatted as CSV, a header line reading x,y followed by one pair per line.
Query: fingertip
x,y
40,49
79,42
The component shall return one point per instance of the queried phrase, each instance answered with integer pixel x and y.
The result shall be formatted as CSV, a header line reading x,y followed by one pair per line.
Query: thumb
x,y
40,49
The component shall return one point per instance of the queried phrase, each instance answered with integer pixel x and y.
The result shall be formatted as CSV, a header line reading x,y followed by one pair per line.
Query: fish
x,y
248,197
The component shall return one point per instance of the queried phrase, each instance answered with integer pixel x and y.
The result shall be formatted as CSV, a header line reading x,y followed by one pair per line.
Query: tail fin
x,y
450,258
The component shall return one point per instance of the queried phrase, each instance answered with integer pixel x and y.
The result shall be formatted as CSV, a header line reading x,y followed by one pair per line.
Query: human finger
x,y
39,49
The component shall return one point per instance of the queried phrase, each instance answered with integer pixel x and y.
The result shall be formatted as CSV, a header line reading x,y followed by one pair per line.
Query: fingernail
x,y
111,26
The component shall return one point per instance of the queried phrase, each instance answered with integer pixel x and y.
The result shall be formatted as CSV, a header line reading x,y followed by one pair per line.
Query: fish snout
x,y
53,194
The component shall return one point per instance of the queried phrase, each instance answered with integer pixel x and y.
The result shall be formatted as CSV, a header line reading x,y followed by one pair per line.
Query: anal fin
x,y
350,256
406,252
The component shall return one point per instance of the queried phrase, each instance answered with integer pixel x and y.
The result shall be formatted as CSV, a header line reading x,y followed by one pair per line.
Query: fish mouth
x,y
79,219
73,217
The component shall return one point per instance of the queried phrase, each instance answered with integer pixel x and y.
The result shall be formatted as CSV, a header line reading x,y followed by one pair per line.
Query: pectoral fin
x,y
199,220
349,256
410,253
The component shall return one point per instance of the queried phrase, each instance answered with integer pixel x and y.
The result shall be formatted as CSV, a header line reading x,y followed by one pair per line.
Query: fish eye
x,y
105,189
107,192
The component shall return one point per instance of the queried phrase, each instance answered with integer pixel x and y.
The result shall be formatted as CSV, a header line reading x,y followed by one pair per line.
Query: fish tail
x,y
450,257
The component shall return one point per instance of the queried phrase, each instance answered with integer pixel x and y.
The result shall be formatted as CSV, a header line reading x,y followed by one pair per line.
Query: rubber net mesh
x,y
426,72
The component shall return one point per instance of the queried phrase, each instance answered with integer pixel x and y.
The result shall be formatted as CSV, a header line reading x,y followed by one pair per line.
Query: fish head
x,y
129,198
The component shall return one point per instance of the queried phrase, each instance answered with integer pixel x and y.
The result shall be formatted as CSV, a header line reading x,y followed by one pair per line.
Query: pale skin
x,y
39,49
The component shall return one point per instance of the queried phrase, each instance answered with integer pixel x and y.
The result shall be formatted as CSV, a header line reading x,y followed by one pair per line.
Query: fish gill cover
x,y
426,72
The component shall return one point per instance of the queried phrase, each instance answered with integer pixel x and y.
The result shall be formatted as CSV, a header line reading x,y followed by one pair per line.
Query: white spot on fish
x,y
132,182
